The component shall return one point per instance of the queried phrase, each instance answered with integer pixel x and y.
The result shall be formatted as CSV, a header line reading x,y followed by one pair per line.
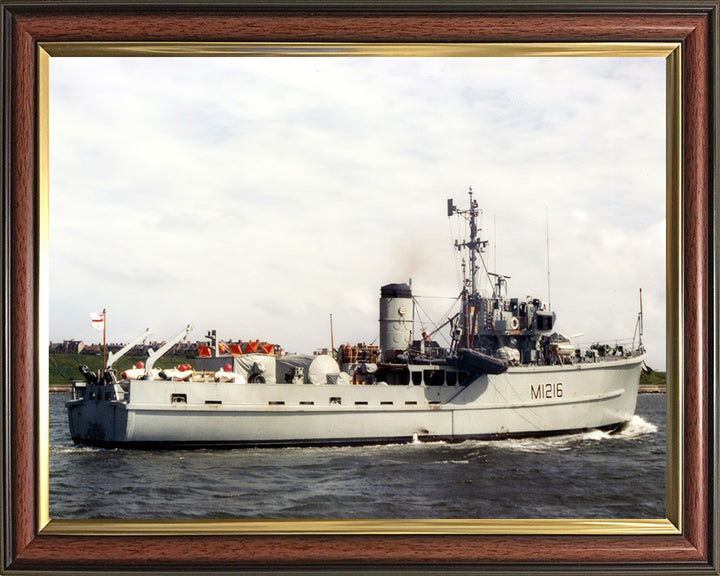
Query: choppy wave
x,y
590,475
638,426
70,449
635,428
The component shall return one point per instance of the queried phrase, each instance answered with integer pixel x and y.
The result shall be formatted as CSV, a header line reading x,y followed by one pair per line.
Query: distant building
x,y
188,349
72,347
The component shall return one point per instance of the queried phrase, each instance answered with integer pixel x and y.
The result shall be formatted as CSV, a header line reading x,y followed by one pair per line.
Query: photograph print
x,y
357,287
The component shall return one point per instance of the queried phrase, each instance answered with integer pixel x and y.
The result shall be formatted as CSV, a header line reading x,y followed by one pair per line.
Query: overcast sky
x,y
257,196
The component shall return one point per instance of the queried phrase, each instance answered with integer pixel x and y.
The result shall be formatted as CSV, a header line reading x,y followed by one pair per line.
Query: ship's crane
x,y
153,356
115,356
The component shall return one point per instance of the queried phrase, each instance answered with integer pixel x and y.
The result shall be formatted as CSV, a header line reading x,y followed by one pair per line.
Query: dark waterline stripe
x,y
336,441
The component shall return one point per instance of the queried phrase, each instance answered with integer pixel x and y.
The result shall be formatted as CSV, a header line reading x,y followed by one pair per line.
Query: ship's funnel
x,y
396,320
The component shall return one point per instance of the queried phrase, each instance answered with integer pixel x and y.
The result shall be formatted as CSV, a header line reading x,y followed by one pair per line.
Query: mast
x,y
475,247
471,244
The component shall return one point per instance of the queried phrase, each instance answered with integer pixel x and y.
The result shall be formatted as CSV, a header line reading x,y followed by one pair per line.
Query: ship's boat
x,y
475,362
505,373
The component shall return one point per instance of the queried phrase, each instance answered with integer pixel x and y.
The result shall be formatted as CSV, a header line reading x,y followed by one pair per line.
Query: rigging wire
x,y
437,297
437,325
547,235
429,319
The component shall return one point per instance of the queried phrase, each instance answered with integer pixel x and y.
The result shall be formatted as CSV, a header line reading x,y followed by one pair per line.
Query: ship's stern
x,y
97,414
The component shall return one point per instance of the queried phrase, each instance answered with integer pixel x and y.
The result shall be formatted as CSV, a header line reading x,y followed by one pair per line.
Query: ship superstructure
x,y
513,330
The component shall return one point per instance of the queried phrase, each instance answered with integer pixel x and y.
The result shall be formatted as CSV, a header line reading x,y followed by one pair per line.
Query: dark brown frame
x,y
27,24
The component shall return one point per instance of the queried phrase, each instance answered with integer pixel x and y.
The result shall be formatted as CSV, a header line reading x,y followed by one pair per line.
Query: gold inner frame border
x,y
669,525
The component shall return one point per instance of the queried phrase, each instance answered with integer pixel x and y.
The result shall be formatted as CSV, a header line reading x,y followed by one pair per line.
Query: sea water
x,y
591,475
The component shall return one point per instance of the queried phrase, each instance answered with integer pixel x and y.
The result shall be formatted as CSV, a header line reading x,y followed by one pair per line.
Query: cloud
x,y
259,195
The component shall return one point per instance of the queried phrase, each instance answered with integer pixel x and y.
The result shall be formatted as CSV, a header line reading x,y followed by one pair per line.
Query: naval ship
x,y
506,373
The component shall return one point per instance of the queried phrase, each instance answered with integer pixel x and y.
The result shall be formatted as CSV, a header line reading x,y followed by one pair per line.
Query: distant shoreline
x,y
652,389
60,388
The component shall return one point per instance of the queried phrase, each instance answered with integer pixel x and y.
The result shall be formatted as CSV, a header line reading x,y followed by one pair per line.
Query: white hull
x,y
523,401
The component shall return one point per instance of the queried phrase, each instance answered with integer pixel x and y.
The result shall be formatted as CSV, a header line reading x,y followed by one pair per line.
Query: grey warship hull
x,y
523,401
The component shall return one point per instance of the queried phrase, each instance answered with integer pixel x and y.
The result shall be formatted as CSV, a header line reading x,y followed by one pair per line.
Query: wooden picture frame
x,y
31,545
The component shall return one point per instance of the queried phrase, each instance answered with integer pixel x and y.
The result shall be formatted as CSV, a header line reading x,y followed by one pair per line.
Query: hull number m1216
x,y
544,391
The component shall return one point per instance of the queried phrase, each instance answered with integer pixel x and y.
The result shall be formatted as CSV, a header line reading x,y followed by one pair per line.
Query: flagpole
x,y
104,345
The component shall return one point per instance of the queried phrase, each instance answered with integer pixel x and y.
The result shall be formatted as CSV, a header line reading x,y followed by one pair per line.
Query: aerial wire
x,y
547,236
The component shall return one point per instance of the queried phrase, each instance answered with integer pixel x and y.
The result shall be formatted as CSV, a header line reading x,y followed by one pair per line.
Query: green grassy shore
x,y
652,381
64,368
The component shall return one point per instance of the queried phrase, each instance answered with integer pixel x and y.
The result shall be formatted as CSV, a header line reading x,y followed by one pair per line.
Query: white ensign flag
x,y
98,320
